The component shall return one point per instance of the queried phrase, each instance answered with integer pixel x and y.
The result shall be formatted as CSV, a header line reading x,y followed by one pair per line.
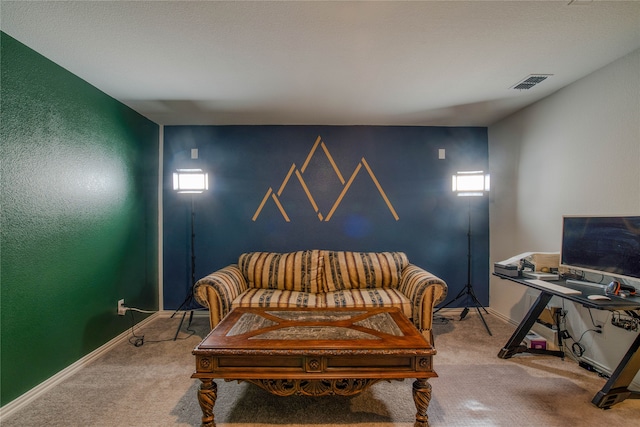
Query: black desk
x,y
616,389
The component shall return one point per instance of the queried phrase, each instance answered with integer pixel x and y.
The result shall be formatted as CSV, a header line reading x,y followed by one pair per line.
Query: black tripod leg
x,y
180,325
483,321
184,314
478,306
190,319
186,303
478,303
468,290
460,295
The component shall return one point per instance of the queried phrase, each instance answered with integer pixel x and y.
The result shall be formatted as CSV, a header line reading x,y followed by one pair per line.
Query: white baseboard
x,y
67,372
201,312
458,311
451,311
502,317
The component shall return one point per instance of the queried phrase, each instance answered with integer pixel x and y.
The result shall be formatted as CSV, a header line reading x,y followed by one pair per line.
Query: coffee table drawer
x,y
225,366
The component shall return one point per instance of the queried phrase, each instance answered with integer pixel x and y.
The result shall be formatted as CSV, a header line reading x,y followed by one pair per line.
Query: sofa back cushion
x,y
293,271
361,270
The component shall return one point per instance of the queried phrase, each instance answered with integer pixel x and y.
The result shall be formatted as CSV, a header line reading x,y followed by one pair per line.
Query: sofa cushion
x,y
293,271
360,270
257,297
379,297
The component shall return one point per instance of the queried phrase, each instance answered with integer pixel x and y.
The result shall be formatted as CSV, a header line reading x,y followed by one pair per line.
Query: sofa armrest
x,y
218,290
425,291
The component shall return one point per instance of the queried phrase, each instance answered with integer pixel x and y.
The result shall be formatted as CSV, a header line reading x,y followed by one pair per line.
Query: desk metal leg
x,y
616,389
514,345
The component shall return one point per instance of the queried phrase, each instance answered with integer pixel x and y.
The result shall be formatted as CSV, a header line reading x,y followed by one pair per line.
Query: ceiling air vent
x,y
530,81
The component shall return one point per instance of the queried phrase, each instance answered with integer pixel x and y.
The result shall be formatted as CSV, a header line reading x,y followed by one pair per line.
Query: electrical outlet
x,y
121,308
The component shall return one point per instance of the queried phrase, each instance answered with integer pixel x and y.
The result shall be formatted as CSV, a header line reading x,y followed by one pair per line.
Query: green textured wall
x,y
78,217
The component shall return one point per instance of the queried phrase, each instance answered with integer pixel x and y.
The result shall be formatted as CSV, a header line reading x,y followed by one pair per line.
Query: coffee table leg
x,y
421,397
207,395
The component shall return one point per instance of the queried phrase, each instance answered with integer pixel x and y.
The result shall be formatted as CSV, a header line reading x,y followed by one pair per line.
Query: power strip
x,y
626,323
591,368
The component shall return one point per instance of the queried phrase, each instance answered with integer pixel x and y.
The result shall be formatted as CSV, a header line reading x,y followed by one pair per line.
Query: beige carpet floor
x,y
151,386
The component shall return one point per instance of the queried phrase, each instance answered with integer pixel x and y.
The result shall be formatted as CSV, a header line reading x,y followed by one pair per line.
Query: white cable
x,y
140,311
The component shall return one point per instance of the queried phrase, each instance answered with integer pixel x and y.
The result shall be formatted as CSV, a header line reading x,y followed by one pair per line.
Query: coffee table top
x,y
315,330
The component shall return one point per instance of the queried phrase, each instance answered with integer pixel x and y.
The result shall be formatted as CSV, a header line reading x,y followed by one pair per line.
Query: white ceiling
x,y
439,63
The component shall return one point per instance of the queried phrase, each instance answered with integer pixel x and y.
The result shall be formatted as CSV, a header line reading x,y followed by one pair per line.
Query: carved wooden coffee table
x,y
315,352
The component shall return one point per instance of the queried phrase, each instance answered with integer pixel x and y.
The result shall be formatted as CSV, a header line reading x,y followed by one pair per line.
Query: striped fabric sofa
x,y
322,278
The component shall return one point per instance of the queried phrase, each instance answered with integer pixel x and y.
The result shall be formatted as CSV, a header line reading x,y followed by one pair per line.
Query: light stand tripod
x,y
467,291
192,181
186,304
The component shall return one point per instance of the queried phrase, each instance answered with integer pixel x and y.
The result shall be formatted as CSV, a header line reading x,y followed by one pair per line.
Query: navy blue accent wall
x,y
363,188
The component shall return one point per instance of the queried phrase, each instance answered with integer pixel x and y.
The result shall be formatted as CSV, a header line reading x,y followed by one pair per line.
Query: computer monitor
x,y
603,245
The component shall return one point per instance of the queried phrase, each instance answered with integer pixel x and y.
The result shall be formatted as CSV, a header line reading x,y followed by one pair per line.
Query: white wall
x,y
574,152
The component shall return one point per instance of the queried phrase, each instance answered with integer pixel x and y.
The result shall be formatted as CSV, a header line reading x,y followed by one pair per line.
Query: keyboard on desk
x,y
554,287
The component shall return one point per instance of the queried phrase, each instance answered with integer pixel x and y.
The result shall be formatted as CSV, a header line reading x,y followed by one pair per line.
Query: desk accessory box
x,y
506,269
535,341
549,261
